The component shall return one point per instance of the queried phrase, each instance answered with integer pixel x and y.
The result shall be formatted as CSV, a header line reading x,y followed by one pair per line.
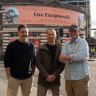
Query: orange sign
x,y
40,15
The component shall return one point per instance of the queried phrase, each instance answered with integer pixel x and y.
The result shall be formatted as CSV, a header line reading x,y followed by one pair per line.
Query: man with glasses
x,y
19,63
75,54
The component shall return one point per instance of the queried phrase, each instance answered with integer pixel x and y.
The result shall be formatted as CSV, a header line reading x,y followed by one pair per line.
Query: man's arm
x,y
33,65
59,69
39,65
7,60
7,70
81,55
64,58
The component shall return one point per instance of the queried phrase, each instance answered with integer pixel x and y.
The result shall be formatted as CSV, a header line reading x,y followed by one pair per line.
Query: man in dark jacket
x,y
49,66
19,63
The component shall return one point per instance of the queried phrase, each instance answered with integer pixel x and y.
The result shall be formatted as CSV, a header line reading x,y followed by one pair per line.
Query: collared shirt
x,y
77,68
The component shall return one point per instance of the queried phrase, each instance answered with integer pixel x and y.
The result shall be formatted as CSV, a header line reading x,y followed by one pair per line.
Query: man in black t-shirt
x,y
19,63
49,66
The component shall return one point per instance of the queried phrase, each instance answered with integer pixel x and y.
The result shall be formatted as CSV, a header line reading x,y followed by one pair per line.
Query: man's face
x,y
51,36
74,34
23,34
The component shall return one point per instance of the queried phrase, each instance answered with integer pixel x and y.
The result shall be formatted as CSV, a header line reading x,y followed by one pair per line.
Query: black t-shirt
x,y
20,57
52,50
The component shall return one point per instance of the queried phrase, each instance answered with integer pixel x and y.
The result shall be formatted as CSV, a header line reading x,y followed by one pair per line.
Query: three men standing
x,y
19,62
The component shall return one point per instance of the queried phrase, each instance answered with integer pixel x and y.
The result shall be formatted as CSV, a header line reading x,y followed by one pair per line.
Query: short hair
x,y
51,29
21,26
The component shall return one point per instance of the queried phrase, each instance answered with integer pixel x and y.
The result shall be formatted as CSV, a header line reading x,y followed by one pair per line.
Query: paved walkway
x,y
92,83
3,84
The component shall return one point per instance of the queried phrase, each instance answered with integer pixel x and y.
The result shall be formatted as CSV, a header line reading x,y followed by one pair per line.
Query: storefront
x,y
38,19
92,46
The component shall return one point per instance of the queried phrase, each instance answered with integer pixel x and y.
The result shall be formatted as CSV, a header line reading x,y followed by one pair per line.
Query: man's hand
x,y
50,78
63,58
7,72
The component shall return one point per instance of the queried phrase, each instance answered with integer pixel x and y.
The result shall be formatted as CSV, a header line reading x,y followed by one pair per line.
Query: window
x,y
66,35
35,34
13,34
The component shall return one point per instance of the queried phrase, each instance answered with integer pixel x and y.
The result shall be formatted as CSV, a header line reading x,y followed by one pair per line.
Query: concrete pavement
x,y
3,83
92,83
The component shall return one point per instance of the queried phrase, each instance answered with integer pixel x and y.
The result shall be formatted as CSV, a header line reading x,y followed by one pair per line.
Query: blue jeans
x,y
42,90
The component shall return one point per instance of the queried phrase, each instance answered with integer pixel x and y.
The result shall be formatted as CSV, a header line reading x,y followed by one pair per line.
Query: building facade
x,y
57,15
